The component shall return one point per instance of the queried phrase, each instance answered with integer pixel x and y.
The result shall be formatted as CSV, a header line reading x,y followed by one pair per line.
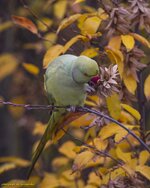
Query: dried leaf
x,y
141,39
8,64
51,54
90,52
68,149
31,68
60,8
68,21
144,170
147,87
114,107
130,83
26,23
128,41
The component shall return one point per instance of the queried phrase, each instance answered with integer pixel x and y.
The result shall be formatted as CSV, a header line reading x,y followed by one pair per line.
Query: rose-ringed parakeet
x,y
65,81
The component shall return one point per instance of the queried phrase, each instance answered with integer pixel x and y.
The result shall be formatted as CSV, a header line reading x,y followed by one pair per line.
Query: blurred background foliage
x,y
21,80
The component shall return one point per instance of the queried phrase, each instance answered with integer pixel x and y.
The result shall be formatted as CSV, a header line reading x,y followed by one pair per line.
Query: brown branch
x,y
77,109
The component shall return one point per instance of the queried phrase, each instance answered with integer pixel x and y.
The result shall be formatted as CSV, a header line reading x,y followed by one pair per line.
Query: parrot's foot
x,y
89,89
71,109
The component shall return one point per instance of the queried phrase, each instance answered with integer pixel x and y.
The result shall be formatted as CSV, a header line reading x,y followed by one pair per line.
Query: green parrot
x,y
65,82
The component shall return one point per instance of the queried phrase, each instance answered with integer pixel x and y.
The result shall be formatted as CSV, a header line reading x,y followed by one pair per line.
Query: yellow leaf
x,y
89,25
102,14
116,57
125,117
93,100
128,169
82,160
26,23
68,21
51,54
147,87
43,27
39,128
52,37
8,64
94,179
15,160
126,157
31,68
144,170
91,52
60,8
17,112
78,1
5,25
120,135
116,173
72,41
6,167
115,43
141,39
100,144
144,157
130,83
109,130
128,41
68,149
59,162
132,111
49,180
83,120
113,104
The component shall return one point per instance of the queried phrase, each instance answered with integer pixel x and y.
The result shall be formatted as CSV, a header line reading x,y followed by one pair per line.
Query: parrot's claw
x,y
71,109
89,89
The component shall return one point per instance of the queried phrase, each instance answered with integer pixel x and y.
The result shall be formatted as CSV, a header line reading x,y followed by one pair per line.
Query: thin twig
x,y
98,152
77,109
33,13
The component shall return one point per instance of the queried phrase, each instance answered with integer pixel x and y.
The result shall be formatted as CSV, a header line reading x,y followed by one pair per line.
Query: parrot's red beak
x,y
95,79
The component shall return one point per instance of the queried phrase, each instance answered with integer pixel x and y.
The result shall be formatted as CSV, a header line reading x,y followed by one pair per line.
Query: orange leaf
x,y
26,23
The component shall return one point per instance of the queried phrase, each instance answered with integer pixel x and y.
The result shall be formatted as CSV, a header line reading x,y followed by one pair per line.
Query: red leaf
x,y
26,23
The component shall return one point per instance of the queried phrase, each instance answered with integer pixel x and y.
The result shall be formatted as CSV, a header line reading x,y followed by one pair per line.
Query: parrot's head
x,y
84,69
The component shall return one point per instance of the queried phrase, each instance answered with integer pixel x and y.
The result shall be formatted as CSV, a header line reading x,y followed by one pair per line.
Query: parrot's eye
x,y
85,74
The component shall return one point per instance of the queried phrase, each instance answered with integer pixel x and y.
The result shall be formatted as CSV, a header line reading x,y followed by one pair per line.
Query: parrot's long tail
x,y
48,134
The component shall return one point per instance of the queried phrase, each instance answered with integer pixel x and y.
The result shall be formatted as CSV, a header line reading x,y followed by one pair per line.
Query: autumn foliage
x,y
88,150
